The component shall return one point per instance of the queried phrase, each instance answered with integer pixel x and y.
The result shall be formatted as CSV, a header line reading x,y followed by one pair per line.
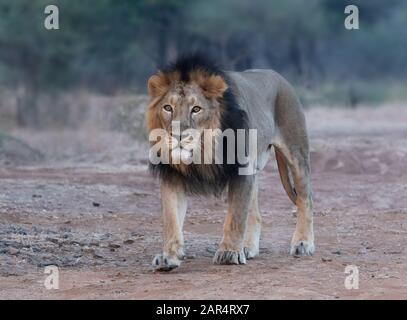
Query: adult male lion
x,y
194,93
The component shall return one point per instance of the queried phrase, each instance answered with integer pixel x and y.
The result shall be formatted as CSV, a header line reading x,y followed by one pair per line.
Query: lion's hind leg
x,y
297,158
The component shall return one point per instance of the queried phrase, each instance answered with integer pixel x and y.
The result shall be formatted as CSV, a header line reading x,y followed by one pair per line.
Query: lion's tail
x,y
284,175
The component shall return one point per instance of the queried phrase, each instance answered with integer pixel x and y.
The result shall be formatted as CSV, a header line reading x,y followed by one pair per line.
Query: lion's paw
x,y
229,257
251,252
302,248
162,262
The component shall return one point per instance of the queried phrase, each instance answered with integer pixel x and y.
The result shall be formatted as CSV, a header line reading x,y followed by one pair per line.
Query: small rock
x,y
114,246
53,240
13,251
362,251
96,204
326,259
338,252
128,241
86,249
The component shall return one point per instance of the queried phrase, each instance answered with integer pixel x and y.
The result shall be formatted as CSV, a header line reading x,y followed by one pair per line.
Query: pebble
x,y
13,251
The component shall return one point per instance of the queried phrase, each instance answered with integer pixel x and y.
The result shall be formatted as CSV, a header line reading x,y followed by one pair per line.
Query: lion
x,y
197,95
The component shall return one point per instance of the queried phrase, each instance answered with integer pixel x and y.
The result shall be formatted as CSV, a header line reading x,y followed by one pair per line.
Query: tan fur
x,y
213,86
163,90
253,229
275,111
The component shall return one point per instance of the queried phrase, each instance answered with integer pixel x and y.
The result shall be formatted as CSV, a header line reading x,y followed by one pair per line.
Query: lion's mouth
x,y
181,155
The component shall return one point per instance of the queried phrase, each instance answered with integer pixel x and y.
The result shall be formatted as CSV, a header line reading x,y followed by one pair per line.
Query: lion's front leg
x,y
231,248
253,229
174,206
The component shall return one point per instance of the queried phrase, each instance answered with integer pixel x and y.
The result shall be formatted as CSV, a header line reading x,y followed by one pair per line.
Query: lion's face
x,y
184,110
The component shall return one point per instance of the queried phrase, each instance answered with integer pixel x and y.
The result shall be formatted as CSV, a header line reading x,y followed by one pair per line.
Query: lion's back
x,y
256,91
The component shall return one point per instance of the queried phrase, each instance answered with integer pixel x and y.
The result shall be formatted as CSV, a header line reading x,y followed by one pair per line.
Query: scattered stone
x,y
96,204
86,249
128,241
53,240
13,251
393,252
97,256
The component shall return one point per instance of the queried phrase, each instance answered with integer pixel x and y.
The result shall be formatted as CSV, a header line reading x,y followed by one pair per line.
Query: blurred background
x,y
75,190
92,72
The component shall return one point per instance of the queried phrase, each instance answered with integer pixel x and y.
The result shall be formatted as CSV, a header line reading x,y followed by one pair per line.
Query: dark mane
x,y
185,64
233,117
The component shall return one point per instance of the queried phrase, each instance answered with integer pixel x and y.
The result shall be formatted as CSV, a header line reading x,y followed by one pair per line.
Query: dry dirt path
x,y
101,225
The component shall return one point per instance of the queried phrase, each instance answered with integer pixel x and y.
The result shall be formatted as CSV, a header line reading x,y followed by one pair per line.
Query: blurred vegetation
x,y
111,46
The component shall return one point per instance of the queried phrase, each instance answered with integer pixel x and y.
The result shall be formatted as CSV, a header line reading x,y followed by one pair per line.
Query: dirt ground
x,y
91,208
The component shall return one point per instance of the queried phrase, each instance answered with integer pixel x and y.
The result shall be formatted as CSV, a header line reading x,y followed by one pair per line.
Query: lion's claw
x,y
161,262
302,248
229,257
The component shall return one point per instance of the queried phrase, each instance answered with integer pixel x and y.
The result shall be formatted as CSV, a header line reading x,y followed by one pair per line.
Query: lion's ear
x,y
158,84
213,86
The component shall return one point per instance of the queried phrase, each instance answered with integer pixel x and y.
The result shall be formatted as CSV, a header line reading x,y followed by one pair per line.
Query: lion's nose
x,y
186,136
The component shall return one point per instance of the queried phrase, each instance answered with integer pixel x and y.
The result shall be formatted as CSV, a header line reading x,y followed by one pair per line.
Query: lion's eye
x,y
196,109
167,108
